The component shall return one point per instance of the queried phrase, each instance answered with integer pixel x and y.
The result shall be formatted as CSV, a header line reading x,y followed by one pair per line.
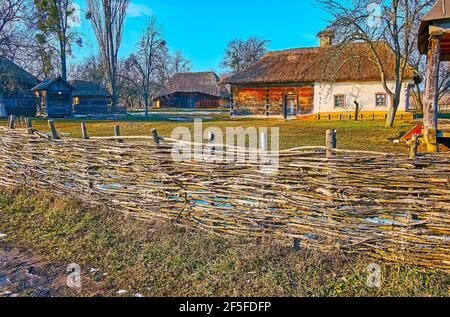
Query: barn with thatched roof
x,y
90,98
15,84
194,90
326,79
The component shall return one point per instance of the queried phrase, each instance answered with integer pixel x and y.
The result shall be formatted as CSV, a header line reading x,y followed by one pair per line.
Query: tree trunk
x,y
395,101
356,110
63,61
146,104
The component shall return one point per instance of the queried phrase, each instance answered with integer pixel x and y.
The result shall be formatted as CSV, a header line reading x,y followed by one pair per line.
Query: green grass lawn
x,y
360,135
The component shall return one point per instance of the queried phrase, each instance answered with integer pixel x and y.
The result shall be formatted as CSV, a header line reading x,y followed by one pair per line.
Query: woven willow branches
x,y
387,206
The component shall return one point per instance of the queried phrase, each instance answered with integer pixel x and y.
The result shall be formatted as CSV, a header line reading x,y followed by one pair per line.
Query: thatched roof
x,y
14,77
85,88
319,64
203,82
440,12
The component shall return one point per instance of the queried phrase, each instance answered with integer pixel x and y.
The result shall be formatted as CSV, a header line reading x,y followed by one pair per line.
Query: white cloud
x,y
138,10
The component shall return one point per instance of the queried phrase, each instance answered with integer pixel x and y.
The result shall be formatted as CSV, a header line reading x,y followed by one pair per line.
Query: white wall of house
x,y
364,92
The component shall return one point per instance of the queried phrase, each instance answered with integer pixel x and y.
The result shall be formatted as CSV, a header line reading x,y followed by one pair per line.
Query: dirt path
x,y
22,274
25,274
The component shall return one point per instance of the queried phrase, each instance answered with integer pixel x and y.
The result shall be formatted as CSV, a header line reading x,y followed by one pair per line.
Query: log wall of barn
x,y
254,100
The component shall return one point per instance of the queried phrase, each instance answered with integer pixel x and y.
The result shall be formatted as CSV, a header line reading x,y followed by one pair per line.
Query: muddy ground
x,y
25,274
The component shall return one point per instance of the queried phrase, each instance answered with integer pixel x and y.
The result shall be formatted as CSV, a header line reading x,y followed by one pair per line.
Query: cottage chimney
x,y
326,37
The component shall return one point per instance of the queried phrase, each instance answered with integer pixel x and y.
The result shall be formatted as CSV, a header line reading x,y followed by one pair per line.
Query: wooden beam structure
x,y
430,111
434,41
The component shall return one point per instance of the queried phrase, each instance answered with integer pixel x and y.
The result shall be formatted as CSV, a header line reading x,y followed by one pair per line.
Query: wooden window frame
x,y
385,100
344,102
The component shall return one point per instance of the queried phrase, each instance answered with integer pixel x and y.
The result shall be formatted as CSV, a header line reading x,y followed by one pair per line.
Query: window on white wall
x,y
339,101
380,100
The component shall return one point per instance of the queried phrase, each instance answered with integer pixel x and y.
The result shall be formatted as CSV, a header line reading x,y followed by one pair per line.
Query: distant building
x,y
194,90
54,98
59,98
327,79
90,98
15,95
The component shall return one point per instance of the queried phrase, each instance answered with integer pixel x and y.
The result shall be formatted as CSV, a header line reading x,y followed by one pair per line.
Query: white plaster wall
x,y
363,92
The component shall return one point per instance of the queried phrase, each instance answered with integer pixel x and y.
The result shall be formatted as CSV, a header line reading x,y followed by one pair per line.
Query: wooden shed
x,y
434,41
90,98
15,95
194,90
54,98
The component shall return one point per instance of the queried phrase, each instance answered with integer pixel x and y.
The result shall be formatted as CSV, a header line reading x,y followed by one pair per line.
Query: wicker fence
x,y
388,206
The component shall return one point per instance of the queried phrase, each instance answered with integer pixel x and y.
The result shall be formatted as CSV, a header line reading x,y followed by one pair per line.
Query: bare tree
x,y
13,15
107,18
378,23
149,49
240,54
89,69
179,63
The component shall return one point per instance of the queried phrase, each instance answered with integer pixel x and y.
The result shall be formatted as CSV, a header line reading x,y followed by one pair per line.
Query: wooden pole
x,y
414,146
12,122
84,132
30,125
212,138
297,244
331,142
430,111
156,137
117,133
53,132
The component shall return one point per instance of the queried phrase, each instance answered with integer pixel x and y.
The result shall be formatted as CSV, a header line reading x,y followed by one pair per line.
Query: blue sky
x,y
202,28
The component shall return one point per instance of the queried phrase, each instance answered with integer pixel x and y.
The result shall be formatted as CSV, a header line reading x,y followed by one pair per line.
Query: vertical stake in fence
x,y
156,137
53,132
331,142
212,138
297,244
117,133
84,132
30,125
414,146
12,122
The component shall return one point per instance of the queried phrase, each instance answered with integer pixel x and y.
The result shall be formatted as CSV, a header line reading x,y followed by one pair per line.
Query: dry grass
x,y
358,135
160,259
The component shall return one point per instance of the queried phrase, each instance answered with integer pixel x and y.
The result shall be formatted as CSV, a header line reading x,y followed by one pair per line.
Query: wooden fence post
x,y
297,244
156,137
414,146
12,121
30,125
331,142
53,132
212,138
117,133
84,132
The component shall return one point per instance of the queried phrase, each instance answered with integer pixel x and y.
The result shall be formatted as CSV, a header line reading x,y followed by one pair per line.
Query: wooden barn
x,y
327,79
90,98
54,98
15,95
194,90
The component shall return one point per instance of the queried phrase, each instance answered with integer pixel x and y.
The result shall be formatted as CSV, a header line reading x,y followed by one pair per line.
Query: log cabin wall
x,y
269,101
190,101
